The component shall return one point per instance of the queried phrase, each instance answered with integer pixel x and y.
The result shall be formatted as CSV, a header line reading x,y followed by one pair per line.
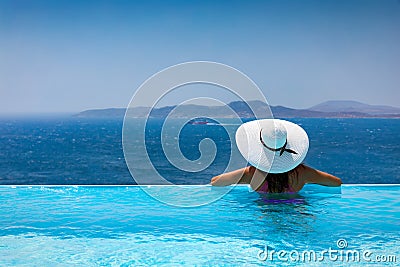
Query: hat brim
x,y
249,145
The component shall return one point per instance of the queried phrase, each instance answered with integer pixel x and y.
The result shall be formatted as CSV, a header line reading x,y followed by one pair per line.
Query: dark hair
x,y
279,182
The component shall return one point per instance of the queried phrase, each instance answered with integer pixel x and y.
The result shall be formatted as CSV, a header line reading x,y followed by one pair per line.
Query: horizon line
x,y
52,113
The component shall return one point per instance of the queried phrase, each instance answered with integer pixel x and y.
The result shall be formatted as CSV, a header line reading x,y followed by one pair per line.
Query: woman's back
x,y
292,181
287,182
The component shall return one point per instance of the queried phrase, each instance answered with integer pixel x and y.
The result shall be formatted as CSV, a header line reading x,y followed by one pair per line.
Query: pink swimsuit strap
x,y
264,187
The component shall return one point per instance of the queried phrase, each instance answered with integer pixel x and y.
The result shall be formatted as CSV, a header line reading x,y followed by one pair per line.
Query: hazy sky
x,y
67,56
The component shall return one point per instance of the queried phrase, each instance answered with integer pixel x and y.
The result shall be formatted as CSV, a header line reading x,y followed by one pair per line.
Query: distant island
x,y
329,109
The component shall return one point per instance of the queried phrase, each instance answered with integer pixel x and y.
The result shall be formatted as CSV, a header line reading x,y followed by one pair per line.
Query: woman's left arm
x,y
241,176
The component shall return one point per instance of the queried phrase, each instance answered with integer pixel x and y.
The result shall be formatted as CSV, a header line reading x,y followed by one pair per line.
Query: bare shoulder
x,y
247,175
314,176
296,179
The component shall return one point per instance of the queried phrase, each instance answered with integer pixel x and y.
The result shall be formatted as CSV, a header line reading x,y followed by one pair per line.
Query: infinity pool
x,y
124,226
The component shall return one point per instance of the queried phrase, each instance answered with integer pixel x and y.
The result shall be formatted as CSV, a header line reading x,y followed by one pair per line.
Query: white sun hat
x,y
272,145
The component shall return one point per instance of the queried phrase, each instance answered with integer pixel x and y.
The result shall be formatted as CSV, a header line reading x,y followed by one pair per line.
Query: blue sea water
x,y
124,226
69,150
127,226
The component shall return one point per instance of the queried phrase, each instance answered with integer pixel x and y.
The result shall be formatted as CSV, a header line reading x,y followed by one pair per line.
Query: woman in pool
x,y
275,150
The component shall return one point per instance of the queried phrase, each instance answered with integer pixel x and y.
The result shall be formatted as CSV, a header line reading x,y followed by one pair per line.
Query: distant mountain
x,y
354,106
108,112
329,109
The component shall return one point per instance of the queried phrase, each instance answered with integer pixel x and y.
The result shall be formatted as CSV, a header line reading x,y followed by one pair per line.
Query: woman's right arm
x,y
313,176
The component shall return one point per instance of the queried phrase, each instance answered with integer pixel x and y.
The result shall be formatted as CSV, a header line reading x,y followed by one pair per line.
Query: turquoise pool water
x,y
123,226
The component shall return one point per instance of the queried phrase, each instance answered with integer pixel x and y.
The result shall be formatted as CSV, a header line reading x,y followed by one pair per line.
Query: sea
x,y
67,150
